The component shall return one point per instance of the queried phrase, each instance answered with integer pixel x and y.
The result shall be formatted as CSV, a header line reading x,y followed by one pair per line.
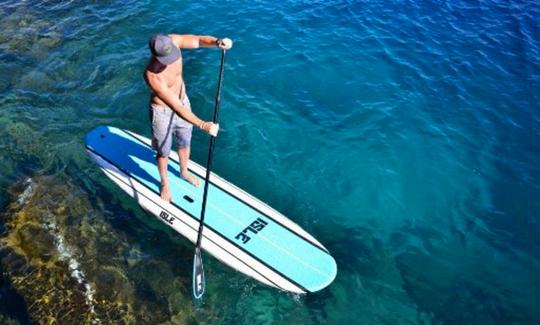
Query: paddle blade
x,y
199,282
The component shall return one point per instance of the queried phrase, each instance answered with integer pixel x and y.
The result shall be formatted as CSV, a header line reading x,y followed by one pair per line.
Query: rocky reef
x,y
25,31
72,266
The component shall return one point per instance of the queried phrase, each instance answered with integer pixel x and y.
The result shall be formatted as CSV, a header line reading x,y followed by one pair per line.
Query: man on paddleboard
x,y
170,109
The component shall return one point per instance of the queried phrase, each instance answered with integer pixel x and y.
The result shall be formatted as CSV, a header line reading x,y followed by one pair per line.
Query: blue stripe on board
x,y
288,253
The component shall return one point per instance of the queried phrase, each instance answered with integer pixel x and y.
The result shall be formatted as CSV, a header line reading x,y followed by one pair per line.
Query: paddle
x,y
199,282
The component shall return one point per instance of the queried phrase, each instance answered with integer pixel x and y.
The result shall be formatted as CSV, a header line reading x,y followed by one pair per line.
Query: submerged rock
x,y
36,81
25,143
25,31
71,266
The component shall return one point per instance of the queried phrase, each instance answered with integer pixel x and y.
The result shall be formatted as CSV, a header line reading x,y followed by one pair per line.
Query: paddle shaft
x,y
211,150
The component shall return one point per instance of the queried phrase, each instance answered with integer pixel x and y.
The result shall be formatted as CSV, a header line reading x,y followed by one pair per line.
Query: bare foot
x,y
165,193
190,178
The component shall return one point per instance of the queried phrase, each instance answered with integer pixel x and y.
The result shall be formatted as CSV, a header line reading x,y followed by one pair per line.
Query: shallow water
x,y
403,135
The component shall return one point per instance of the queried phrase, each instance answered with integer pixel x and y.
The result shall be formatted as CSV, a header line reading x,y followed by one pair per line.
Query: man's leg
x,y
165,192
183,153
183,139
161,118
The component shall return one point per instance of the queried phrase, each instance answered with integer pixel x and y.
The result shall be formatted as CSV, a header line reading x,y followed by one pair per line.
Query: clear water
x,y
404,135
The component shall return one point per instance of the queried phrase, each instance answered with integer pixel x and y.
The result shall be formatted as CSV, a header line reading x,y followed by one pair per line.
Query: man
x,y
169,105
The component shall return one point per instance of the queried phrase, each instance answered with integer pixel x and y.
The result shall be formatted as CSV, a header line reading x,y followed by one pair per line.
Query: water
x,y
403,135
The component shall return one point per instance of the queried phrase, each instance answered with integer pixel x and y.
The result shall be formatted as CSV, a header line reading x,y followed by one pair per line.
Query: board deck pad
x,y
240,230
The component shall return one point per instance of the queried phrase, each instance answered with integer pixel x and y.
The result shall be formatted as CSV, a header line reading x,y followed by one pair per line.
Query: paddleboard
x,y
239,230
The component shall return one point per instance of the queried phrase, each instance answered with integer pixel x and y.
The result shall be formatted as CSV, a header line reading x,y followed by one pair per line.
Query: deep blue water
x,y
404,135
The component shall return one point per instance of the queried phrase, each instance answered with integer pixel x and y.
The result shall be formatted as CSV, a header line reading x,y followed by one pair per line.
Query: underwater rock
x,y
36,81
36,242
71,266
24,144
24,31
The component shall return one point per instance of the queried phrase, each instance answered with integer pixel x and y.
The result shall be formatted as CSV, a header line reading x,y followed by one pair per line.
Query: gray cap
x,y
163,49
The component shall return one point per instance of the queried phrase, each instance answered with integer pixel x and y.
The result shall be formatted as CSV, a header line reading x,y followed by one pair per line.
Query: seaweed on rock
x,y
71,266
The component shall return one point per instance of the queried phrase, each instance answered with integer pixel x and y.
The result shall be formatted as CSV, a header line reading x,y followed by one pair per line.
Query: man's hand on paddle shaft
x,y
210,128
224,44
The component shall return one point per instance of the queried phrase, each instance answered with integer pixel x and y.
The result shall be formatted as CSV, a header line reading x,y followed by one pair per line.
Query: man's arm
x,y
196,41
160,89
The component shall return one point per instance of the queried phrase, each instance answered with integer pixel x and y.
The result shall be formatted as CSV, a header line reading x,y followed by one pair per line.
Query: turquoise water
x,y
403,135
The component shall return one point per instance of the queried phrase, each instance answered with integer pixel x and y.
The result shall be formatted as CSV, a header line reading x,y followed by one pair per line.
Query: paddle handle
x,y
211,149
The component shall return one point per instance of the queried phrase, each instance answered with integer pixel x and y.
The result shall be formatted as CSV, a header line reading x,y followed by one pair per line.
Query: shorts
x,y
166,124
